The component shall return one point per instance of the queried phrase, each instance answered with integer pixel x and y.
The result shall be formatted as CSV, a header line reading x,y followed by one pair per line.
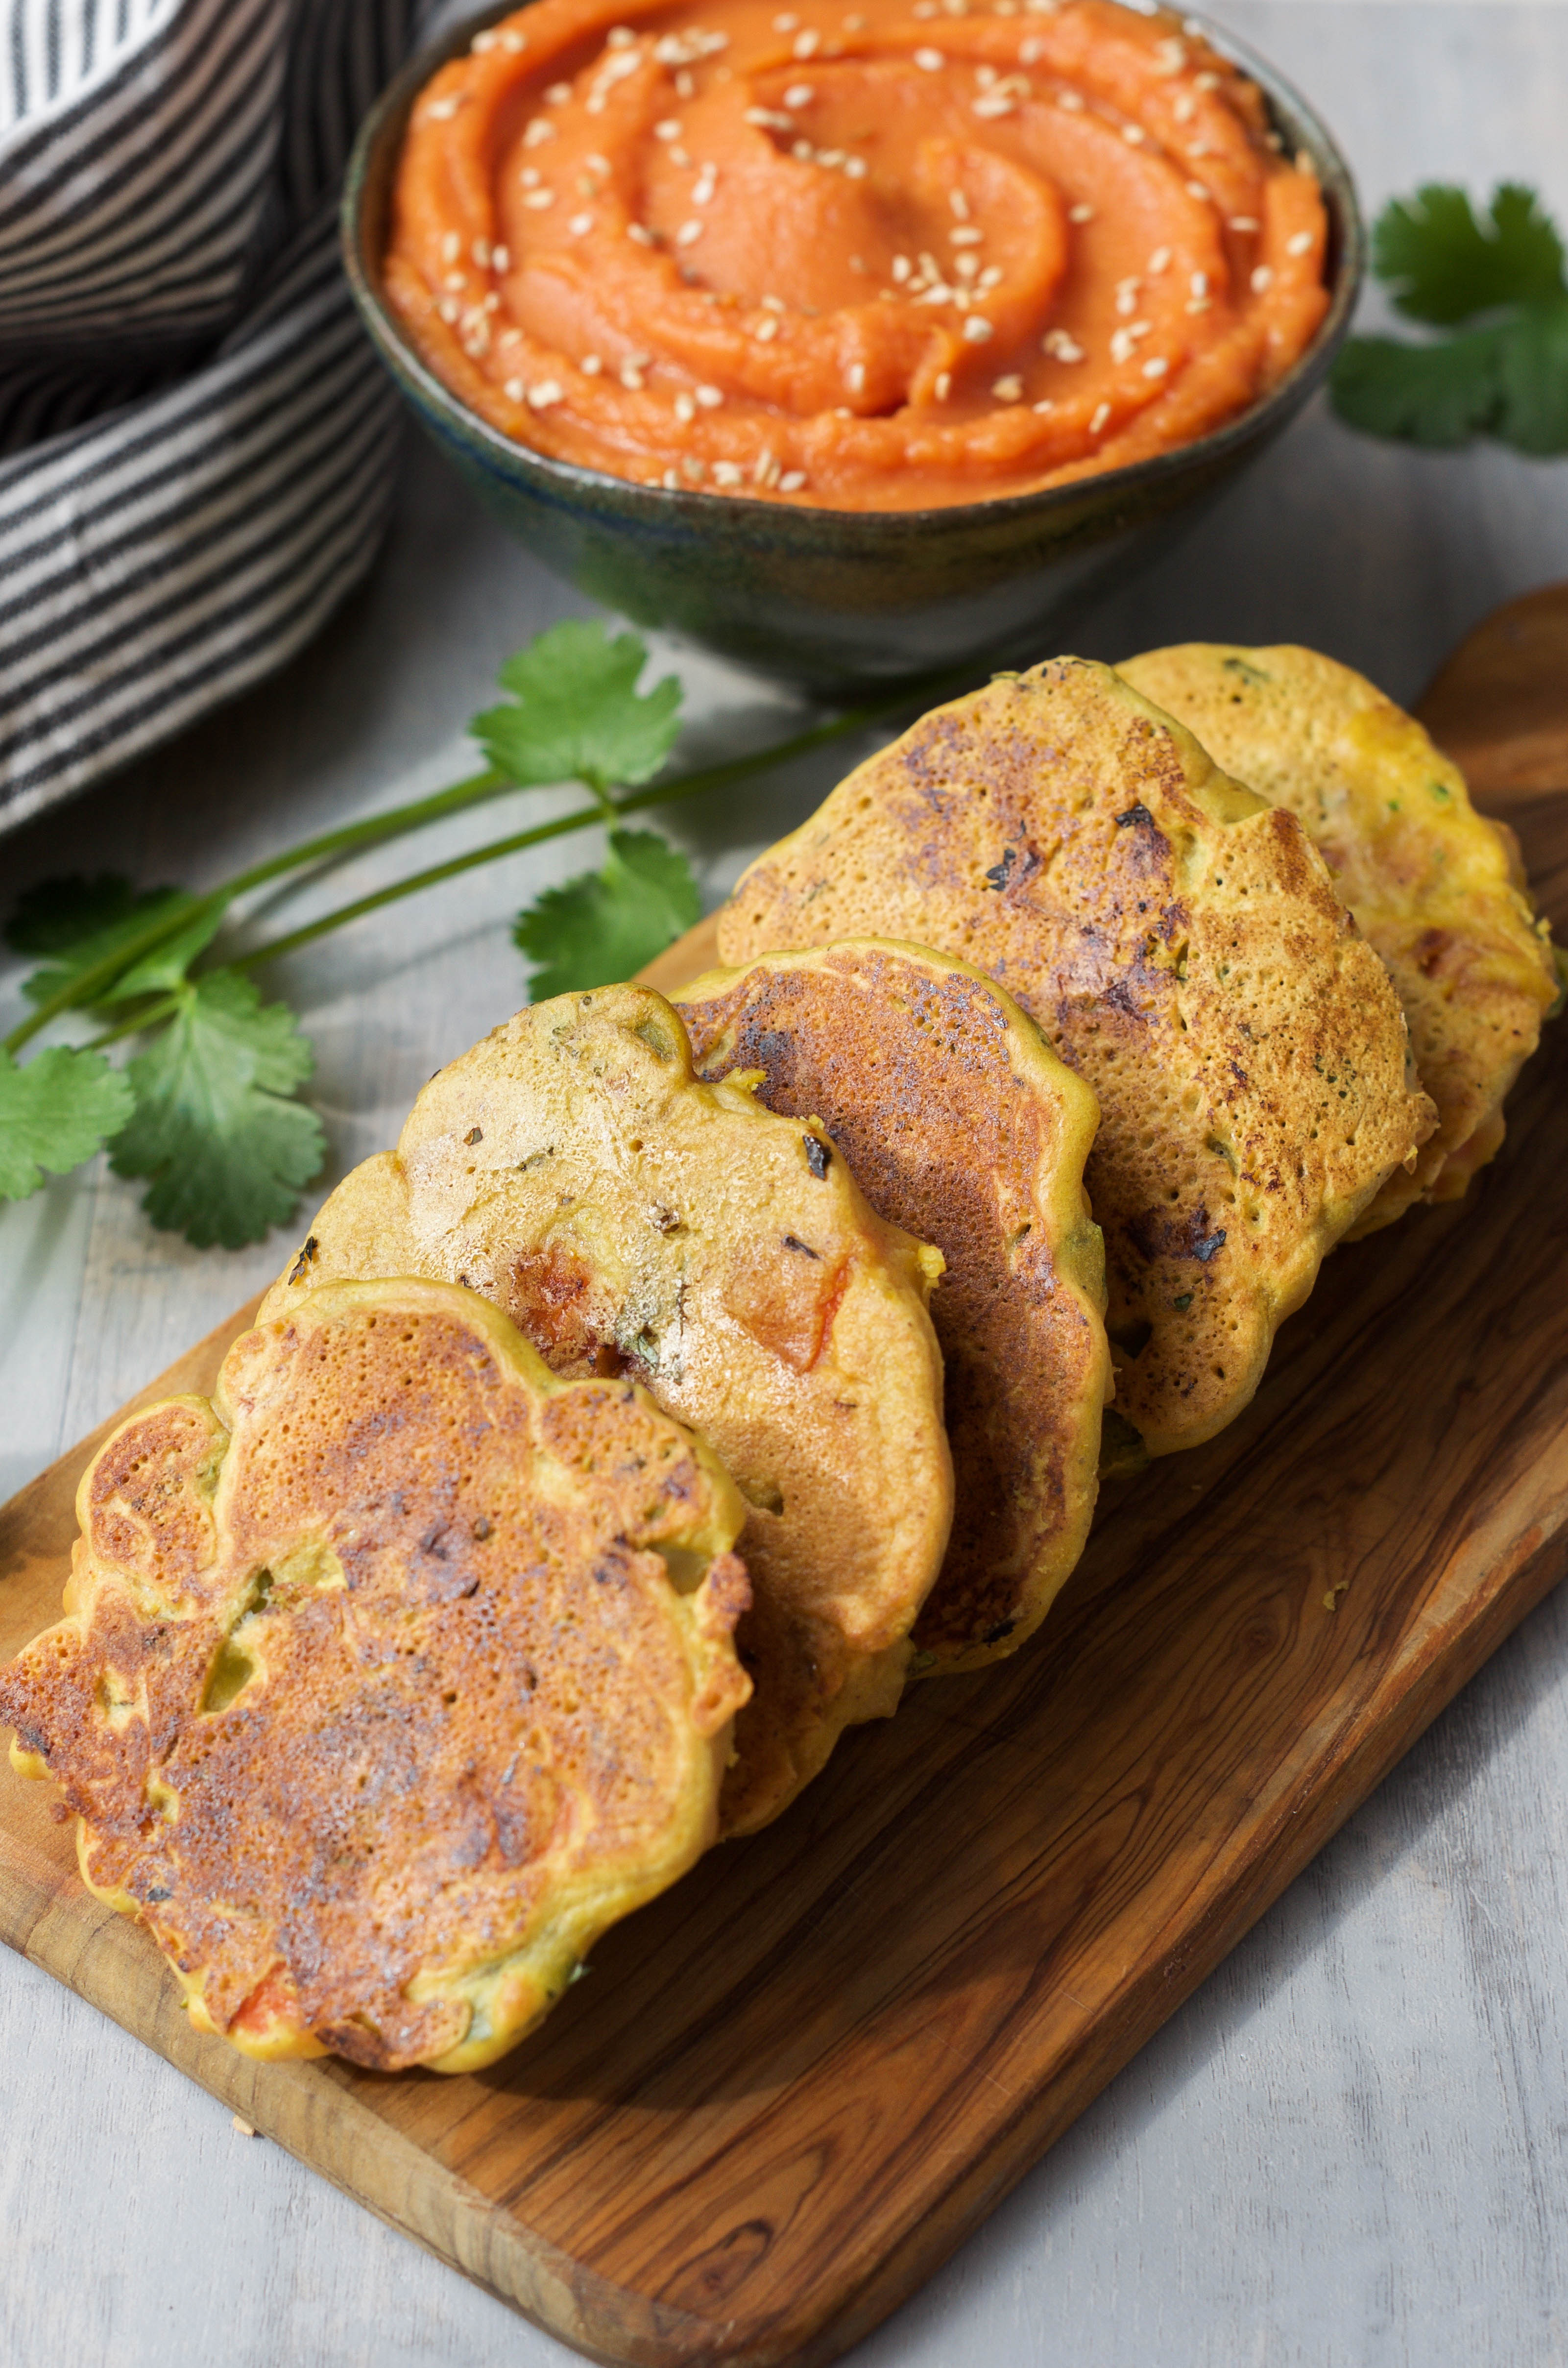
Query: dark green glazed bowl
x,y
838,600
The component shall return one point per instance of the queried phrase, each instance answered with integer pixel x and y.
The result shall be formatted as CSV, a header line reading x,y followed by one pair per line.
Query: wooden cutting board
x,y
795,2083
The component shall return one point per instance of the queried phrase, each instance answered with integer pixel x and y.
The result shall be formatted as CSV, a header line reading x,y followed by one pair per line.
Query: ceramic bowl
x,y
838,600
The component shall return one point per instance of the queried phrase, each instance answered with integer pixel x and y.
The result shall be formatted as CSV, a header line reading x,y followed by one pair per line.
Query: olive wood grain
x,y
791,2085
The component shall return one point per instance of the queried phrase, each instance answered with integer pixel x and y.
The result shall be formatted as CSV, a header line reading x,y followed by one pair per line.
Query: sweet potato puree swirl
x,y
885,257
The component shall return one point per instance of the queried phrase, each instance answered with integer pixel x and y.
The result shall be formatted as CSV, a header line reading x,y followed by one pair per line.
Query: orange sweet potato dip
x,y
883,256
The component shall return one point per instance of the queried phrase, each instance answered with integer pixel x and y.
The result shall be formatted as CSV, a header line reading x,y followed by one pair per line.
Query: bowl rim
x,y
1289,113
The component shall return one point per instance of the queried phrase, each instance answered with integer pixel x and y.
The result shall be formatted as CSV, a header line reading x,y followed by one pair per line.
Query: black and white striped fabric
x,y
196,438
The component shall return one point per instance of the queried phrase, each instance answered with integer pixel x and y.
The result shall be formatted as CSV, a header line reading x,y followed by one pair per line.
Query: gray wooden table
x,y
1350,2146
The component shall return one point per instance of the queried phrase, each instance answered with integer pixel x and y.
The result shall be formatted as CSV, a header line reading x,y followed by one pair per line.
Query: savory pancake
x,y
390,1677
1179,942
1438,889
631,1218
962,1126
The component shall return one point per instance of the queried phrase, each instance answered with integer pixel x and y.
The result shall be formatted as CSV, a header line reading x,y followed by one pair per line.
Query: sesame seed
x,y
451,247
642,234
514,391
765,468
773,303
985,77
704,187
1070,102
558,94
1045,403
786,23
1243,222
1080,214
991,277
542,396
1134,134
1172,55
685,85
1183,106
1030,50
799,94
807,45
964,236
1101,414
854,168
804,150
924,8
854,24
791,480
769,119
1206,82
855,378
960,205
441,110
901,268
1159,261
670,481
449,308
1155,367
631,378
510,337
668,130
539,130
993,105
1300,244
727,473
709,397
1199,304
514,41
619,36
1008,390
966,266
942,385
580,225
591,364
685,409
929,60
501,259
1122,347
539,199
454,279
529,178
1061,347
1126,295
1196,189
1262,279
977,329
767,329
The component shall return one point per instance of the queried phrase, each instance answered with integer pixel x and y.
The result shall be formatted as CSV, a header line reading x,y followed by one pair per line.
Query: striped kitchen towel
x,y
196,438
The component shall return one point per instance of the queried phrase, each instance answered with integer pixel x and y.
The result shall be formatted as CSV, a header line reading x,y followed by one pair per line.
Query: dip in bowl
x,y
850,342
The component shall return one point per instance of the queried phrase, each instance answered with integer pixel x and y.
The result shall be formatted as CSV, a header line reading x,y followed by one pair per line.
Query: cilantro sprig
x,y
205,1111
1496,282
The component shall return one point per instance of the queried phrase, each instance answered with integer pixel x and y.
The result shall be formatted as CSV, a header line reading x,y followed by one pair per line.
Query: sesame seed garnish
x,y
991,277
786,23
1134,134
670,481
1172,55
727,473
449,308
441,110
1061,347
619,36
807,45
591,364
514,391
451,247
1080,214
1301,242
481,252
767,329
1196,189
685,85
514,41
501,259
1070,102
1008,390
804,151
854,168
942,385
539,130
966,266
631,378
1045,403
642,234
855,378
668,130
791,480
685,409
1183,107
901,268
1159,261
799,94
455,281
977,328
1126,295
960,204
993,105
539,199
528,178
1030,52
704,186
1102,413
1155,367
558,94
1206,81
929,60
1262,279
924,8
709,397
769,119
964,236
542,396
580,225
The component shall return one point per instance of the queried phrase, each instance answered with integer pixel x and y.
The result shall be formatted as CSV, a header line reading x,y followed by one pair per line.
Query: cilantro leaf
x,y
576,713
605,925
1444,265
1437,394
52,915
1533,370
79,923
55,1113
225,1150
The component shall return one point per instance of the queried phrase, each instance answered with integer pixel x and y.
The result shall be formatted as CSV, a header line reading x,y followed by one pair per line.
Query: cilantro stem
x,y
686,785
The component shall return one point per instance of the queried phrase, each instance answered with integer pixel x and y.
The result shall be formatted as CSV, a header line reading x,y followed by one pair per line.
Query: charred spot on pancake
x,y
302,1263
819,1159
400,1759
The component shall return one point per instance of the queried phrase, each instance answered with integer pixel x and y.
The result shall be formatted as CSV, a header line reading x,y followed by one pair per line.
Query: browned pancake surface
x,y
1181,945
377,1694
963,1127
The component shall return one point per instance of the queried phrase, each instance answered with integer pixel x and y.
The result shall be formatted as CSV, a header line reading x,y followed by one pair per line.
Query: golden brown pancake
x,y
962,1126
630,1217
1181,945
1437,888
390,1677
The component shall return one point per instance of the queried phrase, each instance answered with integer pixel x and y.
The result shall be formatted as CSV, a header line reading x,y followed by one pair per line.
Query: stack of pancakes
x,y
694,1375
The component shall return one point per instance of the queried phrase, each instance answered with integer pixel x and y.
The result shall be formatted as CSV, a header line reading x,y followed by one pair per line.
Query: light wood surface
x,y
800,2078
1349,2148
